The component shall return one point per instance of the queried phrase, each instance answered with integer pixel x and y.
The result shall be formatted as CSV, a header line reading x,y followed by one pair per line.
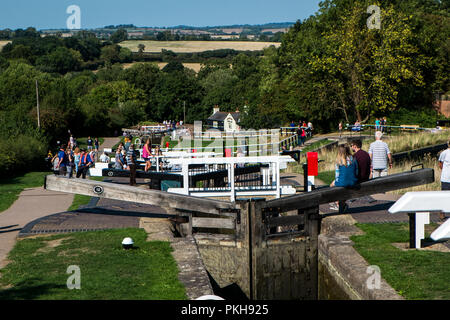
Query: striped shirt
x,y
379,151
131,156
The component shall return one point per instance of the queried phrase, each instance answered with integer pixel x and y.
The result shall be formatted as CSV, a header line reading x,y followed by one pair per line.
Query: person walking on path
x,y
97,145
310,129
89,143
71,142
146,153
363,159
85,163
70,162
444,164
119,164
299,135
380,154
76,158
62,161
131,162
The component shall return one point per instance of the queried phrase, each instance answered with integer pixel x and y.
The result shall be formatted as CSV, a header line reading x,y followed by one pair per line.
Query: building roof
x,y
221,116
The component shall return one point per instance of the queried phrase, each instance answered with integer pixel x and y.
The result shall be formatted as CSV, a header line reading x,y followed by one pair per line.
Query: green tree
x,y
364,67
102,106
119,36
62,60
114,53
141,48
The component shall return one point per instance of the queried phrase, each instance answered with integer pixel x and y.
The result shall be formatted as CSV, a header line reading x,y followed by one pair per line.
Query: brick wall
x,y
444,107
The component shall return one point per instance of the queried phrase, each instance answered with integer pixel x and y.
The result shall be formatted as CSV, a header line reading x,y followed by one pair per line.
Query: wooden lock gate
x,y
269,249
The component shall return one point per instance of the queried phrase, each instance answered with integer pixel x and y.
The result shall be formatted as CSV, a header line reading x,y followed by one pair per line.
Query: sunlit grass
x,y
414,274
107,272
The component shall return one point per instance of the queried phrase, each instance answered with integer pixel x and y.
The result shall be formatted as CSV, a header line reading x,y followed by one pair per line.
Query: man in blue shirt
x,y
62,163
85,163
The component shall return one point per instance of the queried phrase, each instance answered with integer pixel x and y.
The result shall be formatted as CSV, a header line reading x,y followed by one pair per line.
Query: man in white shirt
x,y
380,154
444,164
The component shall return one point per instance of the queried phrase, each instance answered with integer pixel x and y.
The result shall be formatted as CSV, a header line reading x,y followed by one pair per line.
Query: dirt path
x,y
32,204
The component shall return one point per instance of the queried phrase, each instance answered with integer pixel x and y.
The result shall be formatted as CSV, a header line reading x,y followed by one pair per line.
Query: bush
x,y
21,153
426,118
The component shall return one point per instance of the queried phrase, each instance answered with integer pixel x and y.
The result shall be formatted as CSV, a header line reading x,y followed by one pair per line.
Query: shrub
x,y
426,118
21,153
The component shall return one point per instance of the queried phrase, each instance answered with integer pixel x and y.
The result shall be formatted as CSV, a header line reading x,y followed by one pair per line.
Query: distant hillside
x,y
272,25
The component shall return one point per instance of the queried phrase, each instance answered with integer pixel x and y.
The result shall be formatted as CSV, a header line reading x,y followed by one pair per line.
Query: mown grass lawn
x,y
107,271
415,274
11,188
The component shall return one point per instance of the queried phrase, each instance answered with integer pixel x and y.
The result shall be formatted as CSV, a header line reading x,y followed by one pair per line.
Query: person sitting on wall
x,y
346,173
104,158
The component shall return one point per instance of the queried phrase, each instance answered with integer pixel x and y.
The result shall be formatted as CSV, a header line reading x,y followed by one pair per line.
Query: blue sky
x,y
48,14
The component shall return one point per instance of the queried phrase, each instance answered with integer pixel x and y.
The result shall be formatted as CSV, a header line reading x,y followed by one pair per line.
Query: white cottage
x,y
224,121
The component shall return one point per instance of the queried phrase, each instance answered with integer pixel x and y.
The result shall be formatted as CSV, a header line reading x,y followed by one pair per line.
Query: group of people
x,y
172,123
68,162
380,124
126,157
361,165
303,130
71,160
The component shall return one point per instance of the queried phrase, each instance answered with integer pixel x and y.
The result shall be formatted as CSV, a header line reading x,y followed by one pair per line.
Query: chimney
x,y
216,109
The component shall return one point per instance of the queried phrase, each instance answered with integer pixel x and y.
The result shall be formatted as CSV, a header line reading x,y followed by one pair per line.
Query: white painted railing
x,y
420,204
272,173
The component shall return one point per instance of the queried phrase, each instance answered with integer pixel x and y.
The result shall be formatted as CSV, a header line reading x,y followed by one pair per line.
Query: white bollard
x,y
422,218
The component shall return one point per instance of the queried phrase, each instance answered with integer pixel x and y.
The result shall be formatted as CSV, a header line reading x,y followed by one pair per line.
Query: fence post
x,y
185,171
256,238
231,170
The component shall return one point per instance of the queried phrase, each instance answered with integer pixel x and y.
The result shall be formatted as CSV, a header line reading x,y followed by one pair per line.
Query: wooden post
x,y
37,105
305,177
256,238
412,230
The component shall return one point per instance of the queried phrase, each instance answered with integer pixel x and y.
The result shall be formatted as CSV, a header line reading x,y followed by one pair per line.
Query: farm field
x,y
194,66
3,43
196,46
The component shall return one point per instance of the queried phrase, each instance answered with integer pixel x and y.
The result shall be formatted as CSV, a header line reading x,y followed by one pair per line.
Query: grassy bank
x,y
414,274
39,265
315,145
11,188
